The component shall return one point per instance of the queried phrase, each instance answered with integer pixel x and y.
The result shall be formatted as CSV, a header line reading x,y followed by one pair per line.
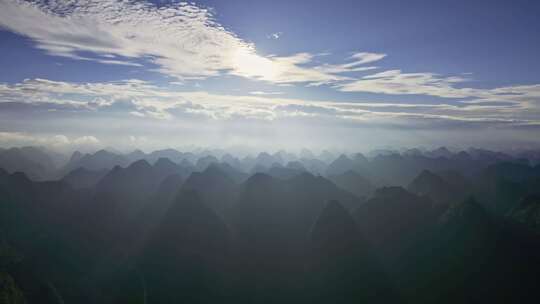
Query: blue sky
x,y
270,74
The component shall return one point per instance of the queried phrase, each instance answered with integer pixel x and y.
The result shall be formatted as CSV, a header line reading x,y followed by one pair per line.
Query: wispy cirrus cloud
x,y
178,39
142,99
395,82
355,64
265,93
36,110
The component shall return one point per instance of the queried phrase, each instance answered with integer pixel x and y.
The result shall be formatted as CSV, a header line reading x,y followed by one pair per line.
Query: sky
x,y
341,75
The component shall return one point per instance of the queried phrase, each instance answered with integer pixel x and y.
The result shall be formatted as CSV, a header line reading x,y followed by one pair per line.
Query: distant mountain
x,y
100,160
343,268
488,156
335,231
266,160
4,175
172,154
40,220
157,230
296,165
193,226
257,169
59,159
233,172
271,223
164,167
467,257
465,217
440,190
38,155
354,183
83,178
318,190
306,154
144,224
216,187
504,185
285,157
439,152
75,157
184,257
413,152
457,180
123,193
204,162
359,159
458,254
278,214
134,181
327,156
34,162
532,155
339,166
314,166
511,171
139,179
283,172
394,219
396,169
429,183
136,155
232,161
527,212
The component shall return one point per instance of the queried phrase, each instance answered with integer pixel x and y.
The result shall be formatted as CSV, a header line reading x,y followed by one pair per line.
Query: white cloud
x,y
507,101
136,141
364,57
397,83
355,64
185,41
136,113
265,93
170,118
180,39
281,70
86,140
275,35
58,141
135,98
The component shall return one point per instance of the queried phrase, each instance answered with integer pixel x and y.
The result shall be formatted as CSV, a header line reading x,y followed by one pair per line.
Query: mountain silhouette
x,y
83,178
100,160
342,266
340,165
32,161
216,187
354,183
456,253
438,189
183,260
393,219
527,212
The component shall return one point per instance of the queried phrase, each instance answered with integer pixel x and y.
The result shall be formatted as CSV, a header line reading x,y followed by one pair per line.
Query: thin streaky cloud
x,y
145,99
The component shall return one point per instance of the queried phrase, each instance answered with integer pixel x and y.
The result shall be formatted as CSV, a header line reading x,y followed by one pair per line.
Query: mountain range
x,y
183,227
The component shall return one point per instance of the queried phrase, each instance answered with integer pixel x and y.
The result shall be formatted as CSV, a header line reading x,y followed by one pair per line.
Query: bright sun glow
x,y
248,64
